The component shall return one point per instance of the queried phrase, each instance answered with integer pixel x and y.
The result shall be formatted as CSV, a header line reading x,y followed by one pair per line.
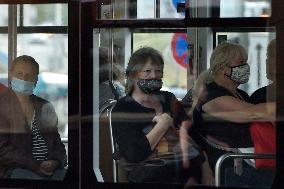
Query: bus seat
x,y
111,170
243,156
239,155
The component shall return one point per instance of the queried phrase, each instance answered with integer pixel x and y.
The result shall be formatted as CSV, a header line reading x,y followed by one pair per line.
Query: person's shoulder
x,y
259,91
167,94
258,96
124,103
7,96
213,90
40,99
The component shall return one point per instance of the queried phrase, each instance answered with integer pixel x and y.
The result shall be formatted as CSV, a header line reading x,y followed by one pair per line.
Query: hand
x,y
43,172
208,179
185,162
49,165
165,120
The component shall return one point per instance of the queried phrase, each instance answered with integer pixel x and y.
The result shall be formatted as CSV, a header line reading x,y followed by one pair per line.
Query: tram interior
x,y
186,52
185,32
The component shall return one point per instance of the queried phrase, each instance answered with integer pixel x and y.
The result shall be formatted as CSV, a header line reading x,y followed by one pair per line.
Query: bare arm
x,y
163,123
233,109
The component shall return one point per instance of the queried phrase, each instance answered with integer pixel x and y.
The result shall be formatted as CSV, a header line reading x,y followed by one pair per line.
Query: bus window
x,y
186,52
49,48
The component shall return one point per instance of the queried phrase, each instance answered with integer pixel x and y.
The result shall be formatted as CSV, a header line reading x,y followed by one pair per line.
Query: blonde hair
x,y
203,79
223,54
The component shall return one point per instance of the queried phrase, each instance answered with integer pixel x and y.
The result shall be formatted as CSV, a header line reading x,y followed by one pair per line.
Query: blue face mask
x,y
22,87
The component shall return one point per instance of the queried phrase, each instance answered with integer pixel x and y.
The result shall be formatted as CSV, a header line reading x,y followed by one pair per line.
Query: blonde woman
x,y
224,112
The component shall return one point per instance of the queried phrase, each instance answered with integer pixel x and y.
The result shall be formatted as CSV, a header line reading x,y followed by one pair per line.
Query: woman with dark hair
x,y
145,127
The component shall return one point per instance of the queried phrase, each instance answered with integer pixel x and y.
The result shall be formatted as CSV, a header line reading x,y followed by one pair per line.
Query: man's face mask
x,y
23,87
150,86
240,74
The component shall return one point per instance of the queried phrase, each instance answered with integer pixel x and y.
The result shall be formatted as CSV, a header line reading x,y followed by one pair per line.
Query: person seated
x,y
145,123
107,89
30,145
267,93
223,112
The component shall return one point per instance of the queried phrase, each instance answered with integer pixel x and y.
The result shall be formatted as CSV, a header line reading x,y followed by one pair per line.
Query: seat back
x,y
106,162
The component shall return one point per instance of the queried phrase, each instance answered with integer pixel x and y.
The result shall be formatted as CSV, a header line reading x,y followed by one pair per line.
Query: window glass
x,y
151,9
145,9
3,15
51,52
45,15
245,8
3,58
175,47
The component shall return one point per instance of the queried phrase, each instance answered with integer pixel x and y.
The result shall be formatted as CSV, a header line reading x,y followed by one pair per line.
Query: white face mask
x,y
240,74
23,87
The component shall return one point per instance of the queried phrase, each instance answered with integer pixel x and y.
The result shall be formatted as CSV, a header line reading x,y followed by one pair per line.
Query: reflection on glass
x,y
151,9
31,147
51,51
145,9
45,15
3,54
3,15
236,8
174,48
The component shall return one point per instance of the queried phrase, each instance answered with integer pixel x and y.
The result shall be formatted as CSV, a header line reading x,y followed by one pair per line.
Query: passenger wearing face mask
x,y
224,113
30,145
145,124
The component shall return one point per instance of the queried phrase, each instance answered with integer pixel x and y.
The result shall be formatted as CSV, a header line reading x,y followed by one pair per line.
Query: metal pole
x,y
234,156
12,34
157,9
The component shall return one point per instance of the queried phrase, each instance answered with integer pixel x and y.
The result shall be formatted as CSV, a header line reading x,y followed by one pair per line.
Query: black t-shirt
x,y
234,134
260,95
131,122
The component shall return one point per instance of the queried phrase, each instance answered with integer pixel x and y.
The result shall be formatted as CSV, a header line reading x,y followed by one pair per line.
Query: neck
x,y
141,97
227,83
23,98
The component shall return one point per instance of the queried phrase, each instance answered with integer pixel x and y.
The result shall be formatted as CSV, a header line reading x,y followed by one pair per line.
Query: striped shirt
x,y
39,148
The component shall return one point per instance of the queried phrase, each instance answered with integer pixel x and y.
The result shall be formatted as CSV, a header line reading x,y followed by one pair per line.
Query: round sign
x,y
175,2
179,49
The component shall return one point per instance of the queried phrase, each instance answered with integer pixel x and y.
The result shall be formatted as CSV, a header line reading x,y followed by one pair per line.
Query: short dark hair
x,y
26,58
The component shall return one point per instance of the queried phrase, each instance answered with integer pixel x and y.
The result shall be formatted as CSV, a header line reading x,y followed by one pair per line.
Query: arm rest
x,y
234,156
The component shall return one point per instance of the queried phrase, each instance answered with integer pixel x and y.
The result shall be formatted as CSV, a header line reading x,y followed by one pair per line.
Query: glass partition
x,y
4,15
44,131
186,54
45,15
175,9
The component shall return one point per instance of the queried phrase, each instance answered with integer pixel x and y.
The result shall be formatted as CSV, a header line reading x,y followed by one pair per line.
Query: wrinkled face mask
x,y
23,87
240,74
150,86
